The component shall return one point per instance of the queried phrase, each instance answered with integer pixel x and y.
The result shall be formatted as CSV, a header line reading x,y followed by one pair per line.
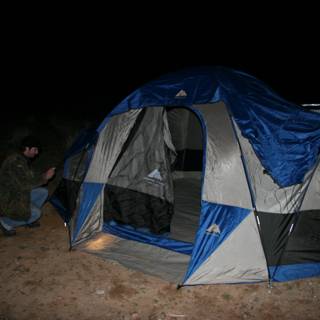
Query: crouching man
x,y
22,192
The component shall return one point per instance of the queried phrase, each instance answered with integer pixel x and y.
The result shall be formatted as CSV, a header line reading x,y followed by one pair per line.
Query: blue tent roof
x,y
285,137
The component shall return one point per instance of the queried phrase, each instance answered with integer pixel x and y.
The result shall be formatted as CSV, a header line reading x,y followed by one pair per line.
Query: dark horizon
x,y
93,93
51,73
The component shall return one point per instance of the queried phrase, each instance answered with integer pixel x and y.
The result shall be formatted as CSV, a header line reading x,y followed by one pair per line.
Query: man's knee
x,y
39,191
39,196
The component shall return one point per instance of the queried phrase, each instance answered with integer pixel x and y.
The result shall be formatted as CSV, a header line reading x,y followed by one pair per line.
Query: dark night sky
x,y
107,84
97,91
91,78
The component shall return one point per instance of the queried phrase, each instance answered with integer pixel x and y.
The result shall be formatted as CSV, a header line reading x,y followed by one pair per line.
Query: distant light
x,y
313,107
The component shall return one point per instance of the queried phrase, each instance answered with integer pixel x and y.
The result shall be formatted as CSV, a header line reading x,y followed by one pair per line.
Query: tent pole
x,y
85,149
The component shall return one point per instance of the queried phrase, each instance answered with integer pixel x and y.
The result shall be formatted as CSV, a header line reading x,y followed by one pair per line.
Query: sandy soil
x,y
41,279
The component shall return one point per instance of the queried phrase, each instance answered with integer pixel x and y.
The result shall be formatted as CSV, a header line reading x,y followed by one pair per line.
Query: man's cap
x,y
30,141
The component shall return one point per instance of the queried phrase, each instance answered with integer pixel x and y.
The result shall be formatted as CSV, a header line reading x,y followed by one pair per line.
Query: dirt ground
x,y
41,279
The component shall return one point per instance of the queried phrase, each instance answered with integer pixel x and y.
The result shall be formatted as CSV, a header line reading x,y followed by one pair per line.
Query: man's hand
x,y
50,173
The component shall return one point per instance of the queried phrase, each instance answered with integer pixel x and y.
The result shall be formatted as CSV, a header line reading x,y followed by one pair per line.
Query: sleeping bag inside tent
x,y
203,176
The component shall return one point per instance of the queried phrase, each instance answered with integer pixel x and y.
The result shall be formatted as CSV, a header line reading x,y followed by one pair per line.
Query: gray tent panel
x,y
312,198
109,146
240,258
187,207
77,167
166,264
225,181
145,166
185,129
269,197
93,222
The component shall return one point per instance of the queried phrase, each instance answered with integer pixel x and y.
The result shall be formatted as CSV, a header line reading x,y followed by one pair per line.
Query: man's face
x,y
31,152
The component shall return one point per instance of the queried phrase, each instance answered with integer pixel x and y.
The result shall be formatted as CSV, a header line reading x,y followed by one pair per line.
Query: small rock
x,y
135,316
100,292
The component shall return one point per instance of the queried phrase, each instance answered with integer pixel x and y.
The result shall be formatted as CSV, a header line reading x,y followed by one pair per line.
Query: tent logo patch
x,y
154,177
214,228
181,94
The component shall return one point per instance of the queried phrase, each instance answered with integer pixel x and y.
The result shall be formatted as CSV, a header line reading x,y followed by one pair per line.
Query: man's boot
x,y
34,224
6,232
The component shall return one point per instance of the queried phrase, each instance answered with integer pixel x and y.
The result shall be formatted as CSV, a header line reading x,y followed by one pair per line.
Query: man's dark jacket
x,y
17,180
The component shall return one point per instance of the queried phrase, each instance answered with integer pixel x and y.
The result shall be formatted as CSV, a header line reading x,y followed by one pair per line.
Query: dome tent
x,y
204,176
